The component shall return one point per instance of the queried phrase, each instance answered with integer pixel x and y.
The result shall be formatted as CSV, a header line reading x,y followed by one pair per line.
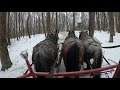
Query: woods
x,y
31,23
14,25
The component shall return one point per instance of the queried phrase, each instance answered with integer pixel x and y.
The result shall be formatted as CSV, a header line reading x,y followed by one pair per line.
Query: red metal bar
x,y
30,69
77,72
116,72
24,76
71,73
34,74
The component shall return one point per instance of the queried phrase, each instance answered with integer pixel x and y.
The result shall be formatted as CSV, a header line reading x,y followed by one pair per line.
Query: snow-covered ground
x,y
19,66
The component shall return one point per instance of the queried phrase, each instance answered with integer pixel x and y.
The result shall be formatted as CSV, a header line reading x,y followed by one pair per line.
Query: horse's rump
x,y
45,53
72,53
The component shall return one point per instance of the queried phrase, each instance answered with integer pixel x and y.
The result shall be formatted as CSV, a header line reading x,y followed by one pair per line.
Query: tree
x,y
82,25
67,21
48,22
98,21
111,25
28,28
91,23
44,29
16,26
22,26
57,22
8,29
39,23
73,20
4,55
118,22
19,25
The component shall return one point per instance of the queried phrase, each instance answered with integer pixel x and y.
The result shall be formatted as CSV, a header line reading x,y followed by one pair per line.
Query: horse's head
x,y
71,33
83,34
53,35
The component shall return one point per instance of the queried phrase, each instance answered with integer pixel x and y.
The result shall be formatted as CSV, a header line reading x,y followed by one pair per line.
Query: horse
x,y
45,53
72,53
93,50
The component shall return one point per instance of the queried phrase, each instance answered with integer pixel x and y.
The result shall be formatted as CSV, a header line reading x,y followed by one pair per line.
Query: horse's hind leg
x,y
87,60
40,67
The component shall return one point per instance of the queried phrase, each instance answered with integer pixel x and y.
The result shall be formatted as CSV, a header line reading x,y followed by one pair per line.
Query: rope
x,y
112,46
106,60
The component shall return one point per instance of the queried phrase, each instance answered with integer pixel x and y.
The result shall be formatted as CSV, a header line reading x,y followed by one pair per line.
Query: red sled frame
x,y
35,74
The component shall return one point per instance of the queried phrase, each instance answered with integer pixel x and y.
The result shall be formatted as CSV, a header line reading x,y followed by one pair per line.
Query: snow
x,y
19,65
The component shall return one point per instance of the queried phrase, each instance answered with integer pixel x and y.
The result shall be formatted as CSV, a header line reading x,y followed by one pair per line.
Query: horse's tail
x,y
38,64
72,58
98,59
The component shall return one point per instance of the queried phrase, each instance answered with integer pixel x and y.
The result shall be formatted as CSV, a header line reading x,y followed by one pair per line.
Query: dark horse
x,y
93,50
72,52
45,53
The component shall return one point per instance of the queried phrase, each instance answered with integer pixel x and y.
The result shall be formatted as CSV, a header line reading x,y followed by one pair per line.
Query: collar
x,y
52,40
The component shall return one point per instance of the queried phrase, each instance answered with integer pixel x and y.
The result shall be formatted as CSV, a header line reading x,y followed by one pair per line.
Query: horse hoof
x,y
86,69
66,77
96,76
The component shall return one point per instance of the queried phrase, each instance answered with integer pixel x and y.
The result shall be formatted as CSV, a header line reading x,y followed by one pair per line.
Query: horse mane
x,y
52,38
70,34
84,35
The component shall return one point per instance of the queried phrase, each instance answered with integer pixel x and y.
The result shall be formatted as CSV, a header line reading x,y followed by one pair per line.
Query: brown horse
x,y
72,52
93,50
45,53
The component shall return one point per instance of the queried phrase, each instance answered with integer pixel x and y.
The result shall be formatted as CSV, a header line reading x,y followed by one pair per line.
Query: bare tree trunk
x,y
83,26
43,23
57,22
48,22
116,21
14,36
98,21
36,31
23,31
67,21
91,23
39,24
104,21
73,20
4,55
111,25
53,22
28,29
119,22
8,29
34,24
19,27
16,27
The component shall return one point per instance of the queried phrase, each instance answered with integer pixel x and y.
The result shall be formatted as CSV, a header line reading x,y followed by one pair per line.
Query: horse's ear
x,y
73,31
56,31
87,32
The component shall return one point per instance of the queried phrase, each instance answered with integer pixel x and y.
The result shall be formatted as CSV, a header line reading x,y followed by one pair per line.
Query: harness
x,y
52,68
93,40
52,40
